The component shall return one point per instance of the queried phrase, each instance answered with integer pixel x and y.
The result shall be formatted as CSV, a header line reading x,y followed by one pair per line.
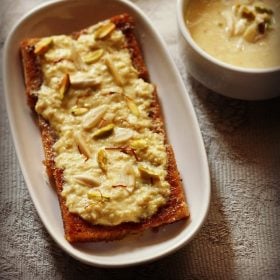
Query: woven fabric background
x,y
241,236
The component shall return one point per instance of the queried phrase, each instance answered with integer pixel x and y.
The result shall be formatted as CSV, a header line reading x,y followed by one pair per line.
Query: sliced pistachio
x,y
64,85
87,180
43,46
93,56
97,194
261,8
104,30
84,82
122,135
78,111
114,71
94,195
139,144
147,173
92,118
132,106
82,146
104,131
102,159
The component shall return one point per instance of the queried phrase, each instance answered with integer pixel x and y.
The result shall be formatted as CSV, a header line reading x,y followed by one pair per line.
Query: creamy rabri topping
x,y
114,164
239,32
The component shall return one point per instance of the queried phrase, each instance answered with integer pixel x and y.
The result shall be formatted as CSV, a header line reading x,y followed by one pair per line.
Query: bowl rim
x,y
186,34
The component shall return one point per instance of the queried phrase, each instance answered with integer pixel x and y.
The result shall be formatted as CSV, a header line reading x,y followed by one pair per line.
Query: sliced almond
x,y
114,71
43,46
82,146
122,135
104,131
77,58
132,106
230,22
125,178
87,180
102,159
240,27
93,56
84,82
130,176
93,117
104,30
64,86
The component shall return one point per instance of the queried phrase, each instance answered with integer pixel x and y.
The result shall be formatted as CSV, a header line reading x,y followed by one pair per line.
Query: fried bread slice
x,y
76,228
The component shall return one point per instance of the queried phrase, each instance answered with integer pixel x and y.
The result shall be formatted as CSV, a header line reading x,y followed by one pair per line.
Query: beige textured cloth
x,y
241,237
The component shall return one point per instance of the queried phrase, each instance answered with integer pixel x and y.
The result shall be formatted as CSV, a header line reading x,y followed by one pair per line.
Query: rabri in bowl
x,y
232,46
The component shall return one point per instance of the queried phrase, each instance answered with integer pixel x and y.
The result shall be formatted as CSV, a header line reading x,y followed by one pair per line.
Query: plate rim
x,y
187,104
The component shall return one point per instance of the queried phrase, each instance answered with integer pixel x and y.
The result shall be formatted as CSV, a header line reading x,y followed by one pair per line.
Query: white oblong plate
x,y
182,129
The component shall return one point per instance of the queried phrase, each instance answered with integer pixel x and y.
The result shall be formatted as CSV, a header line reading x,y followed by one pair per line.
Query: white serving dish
x,y
183,132
226,79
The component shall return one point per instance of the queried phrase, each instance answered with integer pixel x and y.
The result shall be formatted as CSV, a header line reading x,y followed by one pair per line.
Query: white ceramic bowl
x,y
58,17
226,79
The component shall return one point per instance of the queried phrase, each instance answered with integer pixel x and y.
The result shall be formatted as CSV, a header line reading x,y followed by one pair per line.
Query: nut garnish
x,y
87,180
139,144
102,160
132,106
104,131
147,173
249,20
78,111
92,118
97,194
64,85
262,9
84,82
43,46
122,135
130,176
77,58
104,30
82,146
93,56
114,71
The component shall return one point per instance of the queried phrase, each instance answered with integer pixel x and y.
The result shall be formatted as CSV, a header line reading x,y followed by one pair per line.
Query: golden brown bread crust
x,y
77,229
